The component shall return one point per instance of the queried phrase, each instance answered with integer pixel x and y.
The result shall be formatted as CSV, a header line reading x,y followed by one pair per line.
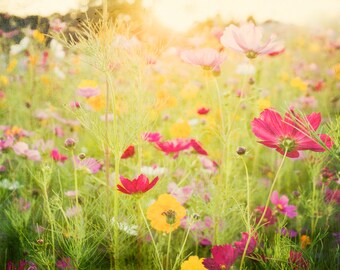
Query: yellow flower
x,y
180,130
88,84
305,241
38,36
11,65
3,80
298,83
165,100
193,263
96,102
263,103
166,213
337,71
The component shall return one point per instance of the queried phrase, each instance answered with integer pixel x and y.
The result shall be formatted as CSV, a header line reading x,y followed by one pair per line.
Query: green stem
x,y
75,177
150,233
271,190
168,252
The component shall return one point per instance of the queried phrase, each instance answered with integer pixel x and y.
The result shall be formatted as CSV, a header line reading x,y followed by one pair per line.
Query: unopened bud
x,y
241,150
69,143
251,81
81,156
40,241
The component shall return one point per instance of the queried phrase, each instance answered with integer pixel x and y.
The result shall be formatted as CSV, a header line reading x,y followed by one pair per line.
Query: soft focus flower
x,y
297,261
72,211
180,130
268,218
152,136
207,58
33,155
241,245
141,184
91,165
166,213
65,264
208,164
247,39
299,84
129,152
223,258
153,170
197,147
38,36
282,205
203,111
182,194
88,88
57,25
245,69
289,134
305,241
193,263
20,148
173,147
57,156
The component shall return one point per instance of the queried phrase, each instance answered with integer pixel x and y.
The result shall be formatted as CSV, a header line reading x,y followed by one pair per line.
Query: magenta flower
x,y
282,205
138,185
289,134
247,39
197,147
268,218
207,58
241,245
297,261
223,258
151,136
57,156
203,110
173,147
129,152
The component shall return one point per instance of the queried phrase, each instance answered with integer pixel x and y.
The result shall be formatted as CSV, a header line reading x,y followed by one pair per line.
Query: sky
x,y
181,14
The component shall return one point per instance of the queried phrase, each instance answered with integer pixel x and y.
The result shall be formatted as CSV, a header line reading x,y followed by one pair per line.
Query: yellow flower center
x,y
170,216
251,54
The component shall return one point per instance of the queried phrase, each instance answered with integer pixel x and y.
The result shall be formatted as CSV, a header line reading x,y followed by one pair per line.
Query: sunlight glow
x,y
181,14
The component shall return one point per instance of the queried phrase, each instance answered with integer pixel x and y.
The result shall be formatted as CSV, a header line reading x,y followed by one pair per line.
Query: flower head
x,y
88,88
129,152
173,146
151,136
193,263
57,156
241,245
166,213
268,218
290,133
90,165
282,206
207,58
297,261
247,39
223,258
140,184
197,147
203,110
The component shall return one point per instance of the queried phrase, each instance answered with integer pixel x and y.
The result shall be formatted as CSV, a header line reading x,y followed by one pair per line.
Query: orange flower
x,y
305,241
166,213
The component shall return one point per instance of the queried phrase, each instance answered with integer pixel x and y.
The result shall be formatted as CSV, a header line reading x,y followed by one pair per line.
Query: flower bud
x,y
69,143
241,150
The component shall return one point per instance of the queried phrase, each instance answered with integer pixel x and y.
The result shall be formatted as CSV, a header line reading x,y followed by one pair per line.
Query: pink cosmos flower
x,y
223,258
173,146
247,39
89,164
207,58
140,184
332,196
6,142
282,205
57,156
291,134
241,245
57,25
152,136
20,148
33,155
182,194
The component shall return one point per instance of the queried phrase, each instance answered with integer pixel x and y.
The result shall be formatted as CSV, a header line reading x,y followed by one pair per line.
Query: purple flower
x,y
241,245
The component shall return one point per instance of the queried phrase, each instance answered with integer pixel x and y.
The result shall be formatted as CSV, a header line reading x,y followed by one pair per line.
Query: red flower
x,y
293,134
198,148
203,110
297,261
173,146
57,156
140,184
129,152
223,258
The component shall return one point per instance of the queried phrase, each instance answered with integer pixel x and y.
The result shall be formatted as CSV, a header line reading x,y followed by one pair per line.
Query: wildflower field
x,y
213,149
